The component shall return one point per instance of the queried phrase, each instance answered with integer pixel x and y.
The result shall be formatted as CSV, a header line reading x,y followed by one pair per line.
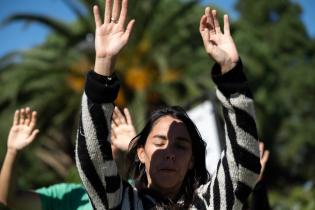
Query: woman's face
x,y
167,155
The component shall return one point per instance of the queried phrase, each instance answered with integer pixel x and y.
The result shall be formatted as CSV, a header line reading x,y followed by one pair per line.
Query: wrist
x,y
104,65
105,57
12,152
227,65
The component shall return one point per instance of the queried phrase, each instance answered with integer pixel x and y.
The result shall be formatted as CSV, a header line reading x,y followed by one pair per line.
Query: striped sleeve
x,y
97,169
239,164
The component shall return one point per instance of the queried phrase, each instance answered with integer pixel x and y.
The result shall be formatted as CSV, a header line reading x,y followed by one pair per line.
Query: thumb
x,y
31,138
129,29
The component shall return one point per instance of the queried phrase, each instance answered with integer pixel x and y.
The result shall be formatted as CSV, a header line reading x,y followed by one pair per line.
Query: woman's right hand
x,y
110,36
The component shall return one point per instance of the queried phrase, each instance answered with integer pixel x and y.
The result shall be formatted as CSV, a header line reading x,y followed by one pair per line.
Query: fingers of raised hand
x,y
33,120
28,116
128,116
226,25
16,117
113,14
25,117
108,7
22,117
113,131
129,29
118,118
216,23
130,123
209,28
32,136
265,156
203,27
261,149
97,17
123,12
204,31
210,22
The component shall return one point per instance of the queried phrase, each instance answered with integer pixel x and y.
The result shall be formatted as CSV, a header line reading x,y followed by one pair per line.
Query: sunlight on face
x,y
167,155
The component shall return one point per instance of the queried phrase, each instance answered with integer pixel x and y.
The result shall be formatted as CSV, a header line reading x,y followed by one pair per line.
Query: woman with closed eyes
x,y
168,155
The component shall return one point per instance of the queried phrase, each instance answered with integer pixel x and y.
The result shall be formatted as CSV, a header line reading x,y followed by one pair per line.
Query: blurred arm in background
x,y
260,195
22,134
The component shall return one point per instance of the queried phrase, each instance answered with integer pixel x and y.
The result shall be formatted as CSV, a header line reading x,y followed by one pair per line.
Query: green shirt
x,y
64,196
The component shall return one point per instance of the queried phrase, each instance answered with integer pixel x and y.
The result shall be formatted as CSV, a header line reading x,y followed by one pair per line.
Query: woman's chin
x,y
168,184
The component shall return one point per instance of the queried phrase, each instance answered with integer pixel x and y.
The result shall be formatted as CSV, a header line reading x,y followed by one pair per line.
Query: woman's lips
x,y
168,170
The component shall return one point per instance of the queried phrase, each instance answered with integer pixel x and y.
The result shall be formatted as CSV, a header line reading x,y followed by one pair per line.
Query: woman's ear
x,y
141,154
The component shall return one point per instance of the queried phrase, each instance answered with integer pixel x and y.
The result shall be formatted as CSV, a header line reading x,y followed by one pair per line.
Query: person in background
x,y
22,134
65,196
260,199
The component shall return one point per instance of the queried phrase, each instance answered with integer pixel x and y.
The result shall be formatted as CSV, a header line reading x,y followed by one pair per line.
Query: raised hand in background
x,y
264,156
23,130
123,130
21,135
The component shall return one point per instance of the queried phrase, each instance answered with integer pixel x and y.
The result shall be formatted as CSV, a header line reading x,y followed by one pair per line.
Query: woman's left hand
x,y
220,46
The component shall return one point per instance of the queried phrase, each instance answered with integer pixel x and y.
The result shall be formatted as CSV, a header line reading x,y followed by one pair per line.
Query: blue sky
x,y
21,36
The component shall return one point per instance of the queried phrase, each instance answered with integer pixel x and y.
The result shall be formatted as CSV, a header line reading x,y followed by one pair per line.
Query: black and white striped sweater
x,y
236,172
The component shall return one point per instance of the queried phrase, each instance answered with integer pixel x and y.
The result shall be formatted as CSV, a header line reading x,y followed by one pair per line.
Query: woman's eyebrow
x,y
163,137
181,138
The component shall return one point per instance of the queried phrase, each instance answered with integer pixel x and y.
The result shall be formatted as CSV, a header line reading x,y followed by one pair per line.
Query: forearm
x,y
93,154
238,110
93,146
7,177
94,160
241,156
11,196
242,152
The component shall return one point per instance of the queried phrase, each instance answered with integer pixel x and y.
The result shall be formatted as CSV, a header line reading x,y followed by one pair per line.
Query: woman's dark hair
x,y
195,177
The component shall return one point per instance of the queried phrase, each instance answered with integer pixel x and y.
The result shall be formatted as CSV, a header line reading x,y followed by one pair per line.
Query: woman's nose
x,y
170,157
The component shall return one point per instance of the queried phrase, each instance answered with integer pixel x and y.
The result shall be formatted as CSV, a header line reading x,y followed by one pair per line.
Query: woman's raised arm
x,y
239,165
94,159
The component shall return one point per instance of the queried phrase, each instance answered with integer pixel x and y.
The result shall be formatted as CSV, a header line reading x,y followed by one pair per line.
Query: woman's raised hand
x,y
111,35
220,46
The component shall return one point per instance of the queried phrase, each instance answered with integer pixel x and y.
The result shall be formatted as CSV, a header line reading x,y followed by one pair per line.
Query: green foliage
x,y
279,57
294,197
3,207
